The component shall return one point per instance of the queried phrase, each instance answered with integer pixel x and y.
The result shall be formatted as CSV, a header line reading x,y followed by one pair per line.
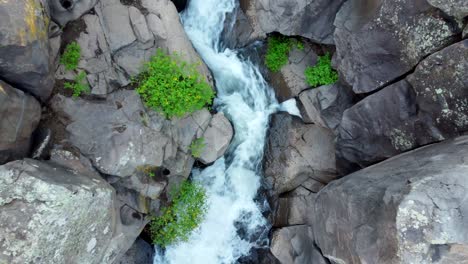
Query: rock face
x,y
295,245
63,11
217,137
430,105
24,46
290,80
325,105
408,209
52,215
140,253
296,152
120,136
19,116
381,40
455,8
312,19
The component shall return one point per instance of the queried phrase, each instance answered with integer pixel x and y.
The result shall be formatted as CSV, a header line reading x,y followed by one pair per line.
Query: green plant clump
x,y
79,86
277,52
197,147
322,73
172,86
181,217
71,56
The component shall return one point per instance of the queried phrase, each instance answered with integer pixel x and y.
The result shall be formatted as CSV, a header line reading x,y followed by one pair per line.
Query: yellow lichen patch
x,y
34,12
1,87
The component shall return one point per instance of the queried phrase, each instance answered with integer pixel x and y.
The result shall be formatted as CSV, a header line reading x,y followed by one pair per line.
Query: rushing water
x,y
232,182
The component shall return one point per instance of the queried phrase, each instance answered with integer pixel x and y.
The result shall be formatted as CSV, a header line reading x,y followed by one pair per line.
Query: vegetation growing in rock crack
x,y
278,51
322,73
172,86
181,217
79,86
71,56
197,146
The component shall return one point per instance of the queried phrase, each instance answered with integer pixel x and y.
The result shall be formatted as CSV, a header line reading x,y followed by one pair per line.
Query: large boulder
x,y
311,19
140,253
19,116
455,8
296,152
428,106
291,80
217,137
63,11
412,208
295,245
24,46
381,40
120,136
52,214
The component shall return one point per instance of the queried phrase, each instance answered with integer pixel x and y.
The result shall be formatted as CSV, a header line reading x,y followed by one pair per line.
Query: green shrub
x,y
172,86
277,52
322,73
181,217
197,147
71,56
79,86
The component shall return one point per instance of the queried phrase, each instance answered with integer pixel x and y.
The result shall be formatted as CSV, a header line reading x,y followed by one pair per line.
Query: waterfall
x,y
234,219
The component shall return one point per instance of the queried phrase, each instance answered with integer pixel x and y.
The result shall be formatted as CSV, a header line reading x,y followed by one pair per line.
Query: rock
x,y
454,8
378,42
430,106
311,19
238,32
325,105
115,21
294,210
50,214
408,209
290,80
24,46
296,152
217,137
295,245
63,11
19,116
120,136
140,253
139,25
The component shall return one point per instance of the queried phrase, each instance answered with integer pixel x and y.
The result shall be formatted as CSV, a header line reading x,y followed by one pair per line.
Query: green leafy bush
x,y
277,52
181,217
197,147
322,73
79,86
172,86
71,56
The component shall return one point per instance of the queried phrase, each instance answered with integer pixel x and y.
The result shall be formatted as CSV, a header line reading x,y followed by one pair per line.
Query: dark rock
x,y
140,253
24,46
63,11
296,152
19,116
408,209
454,8
294,210
377,41
180,4
238,31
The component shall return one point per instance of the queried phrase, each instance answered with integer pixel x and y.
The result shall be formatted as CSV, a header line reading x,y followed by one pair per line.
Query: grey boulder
x,y
409,209
217,137
296,152
140,253
380,41
24,46
63,11
19,116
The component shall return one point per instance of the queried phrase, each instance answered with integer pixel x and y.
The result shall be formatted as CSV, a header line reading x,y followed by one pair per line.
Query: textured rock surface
x,y
430,105
294,209
295,245
408,209
217,137
63,11
456,8
24,46
381,40
296,152
119,135
140,253
51,215
325,105
19,116
312,19
290,80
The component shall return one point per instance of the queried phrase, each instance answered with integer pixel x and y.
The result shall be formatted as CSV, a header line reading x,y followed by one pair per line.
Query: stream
x,y
234,223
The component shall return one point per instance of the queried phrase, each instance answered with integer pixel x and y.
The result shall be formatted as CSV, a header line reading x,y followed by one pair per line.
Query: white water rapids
x,y
232,182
